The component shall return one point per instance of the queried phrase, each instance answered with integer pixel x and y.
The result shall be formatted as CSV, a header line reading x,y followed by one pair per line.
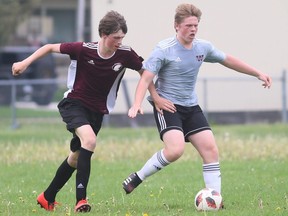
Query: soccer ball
x,y
208,199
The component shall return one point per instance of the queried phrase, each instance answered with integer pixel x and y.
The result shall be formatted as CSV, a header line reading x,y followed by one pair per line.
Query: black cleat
x,y
130,183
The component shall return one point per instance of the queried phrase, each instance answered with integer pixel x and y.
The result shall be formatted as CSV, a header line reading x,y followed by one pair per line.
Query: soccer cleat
x,y
130,183
48,206
82,206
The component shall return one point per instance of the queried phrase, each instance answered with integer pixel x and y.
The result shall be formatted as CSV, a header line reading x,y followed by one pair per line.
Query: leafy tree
x,y
11,13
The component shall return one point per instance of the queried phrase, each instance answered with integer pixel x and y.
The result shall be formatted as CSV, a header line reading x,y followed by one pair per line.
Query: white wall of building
x,y
254,31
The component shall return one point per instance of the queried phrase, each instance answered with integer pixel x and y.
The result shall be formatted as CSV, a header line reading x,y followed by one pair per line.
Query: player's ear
x,y
176,26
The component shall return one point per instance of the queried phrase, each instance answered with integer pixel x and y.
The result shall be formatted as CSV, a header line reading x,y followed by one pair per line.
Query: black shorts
x,y
75,115
189,120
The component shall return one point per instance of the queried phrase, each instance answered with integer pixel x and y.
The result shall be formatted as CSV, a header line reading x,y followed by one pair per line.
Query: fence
x,y
282,80
125,88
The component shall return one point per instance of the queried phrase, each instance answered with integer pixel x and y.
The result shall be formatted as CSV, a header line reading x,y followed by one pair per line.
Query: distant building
x,y
54,21
254,31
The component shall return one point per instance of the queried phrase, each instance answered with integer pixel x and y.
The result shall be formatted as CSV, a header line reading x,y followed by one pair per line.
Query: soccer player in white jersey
x,y
176,62
94,76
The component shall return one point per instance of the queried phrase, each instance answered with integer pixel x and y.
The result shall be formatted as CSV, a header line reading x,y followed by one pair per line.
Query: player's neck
x,y
185,43
104,51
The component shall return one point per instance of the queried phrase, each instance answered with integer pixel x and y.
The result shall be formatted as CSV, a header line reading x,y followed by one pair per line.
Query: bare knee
x,y
174,153
210,154
87,137
174,145
89,143
205,144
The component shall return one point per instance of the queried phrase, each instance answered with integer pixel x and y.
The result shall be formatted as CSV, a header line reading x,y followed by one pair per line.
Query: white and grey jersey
x,y
177,68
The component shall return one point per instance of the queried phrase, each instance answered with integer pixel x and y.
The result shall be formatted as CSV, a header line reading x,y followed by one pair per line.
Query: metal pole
x,y
133,122
205,97
126,94
80,20
15,124
284,97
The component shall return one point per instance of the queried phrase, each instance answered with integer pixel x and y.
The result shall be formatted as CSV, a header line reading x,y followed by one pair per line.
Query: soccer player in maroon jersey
x,y
94,76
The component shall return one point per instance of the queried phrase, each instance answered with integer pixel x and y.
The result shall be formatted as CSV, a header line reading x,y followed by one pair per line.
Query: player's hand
x,y
18,68
266,79
133,111
164,104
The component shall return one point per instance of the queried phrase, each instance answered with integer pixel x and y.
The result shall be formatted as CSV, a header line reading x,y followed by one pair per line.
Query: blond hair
x,y
186,10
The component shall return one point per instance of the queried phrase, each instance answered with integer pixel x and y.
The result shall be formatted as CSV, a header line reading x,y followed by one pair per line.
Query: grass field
x,y
253,163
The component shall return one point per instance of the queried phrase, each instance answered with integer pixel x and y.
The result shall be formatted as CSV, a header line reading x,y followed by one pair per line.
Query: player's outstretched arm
x,y
145,80
20,67
240,66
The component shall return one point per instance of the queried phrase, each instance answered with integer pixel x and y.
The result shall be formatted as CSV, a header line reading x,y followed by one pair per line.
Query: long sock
x,y
63,174
212,176
153,165
83,173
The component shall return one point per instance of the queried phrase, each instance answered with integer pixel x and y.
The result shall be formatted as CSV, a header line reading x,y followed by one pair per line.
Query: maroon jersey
x,y
95,80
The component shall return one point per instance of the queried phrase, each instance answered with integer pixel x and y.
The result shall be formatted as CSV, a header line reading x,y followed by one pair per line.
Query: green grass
x,y
253,163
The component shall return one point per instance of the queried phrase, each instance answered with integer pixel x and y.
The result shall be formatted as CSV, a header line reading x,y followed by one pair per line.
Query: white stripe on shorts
x,y
161,121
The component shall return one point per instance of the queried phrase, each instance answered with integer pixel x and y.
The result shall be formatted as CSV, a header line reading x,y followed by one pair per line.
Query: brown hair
x,y
186,10
111,23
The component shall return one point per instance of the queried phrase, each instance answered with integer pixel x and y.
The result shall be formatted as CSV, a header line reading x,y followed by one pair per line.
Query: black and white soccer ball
x,y
208,199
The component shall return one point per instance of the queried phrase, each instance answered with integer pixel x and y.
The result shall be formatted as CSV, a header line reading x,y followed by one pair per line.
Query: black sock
x,y
62,175
83,173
